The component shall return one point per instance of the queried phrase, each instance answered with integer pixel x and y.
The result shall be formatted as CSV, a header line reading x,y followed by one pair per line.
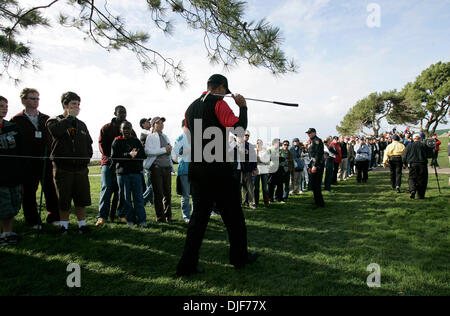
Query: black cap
x,y
296,140
219,79
142,121
310,130
396,137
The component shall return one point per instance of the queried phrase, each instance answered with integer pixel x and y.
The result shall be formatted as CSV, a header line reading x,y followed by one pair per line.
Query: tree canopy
x,y
424,101
228,38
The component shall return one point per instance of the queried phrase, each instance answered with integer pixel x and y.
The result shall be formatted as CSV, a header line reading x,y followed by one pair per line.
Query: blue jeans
x,y
131,184
185,205
148,194
263,179
108,187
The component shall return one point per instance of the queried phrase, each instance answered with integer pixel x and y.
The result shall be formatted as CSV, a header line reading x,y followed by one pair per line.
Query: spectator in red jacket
x,y
434,161
335,143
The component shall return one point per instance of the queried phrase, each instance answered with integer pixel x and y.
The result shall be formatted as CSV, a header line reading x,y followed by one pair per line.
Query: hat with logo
x,y
310,130
219,79
156,119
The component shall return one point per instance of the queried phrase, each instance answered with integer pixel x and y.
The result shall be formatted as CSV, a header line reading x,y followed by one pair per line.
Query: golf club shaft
x,y
259,100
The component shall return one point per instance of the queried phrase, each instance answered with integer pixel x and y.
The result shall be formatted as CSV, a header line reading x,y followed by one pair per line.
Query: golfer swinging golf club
x,y
213,182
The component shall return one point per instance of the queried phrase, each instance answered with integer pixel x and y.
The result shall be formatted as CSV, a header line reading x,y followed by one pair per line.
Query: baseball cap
x,y
156,119
296,140
416,136
219,79
143,120
396,137
310,130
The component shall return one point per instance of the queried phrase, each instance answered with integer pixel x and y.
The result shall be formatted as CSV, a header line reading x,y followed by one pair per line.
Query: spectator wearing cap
x,y
144,123
109,185
212,180
316,167
158,151
362,160
415,156
296,175
147,184
249,171
393,156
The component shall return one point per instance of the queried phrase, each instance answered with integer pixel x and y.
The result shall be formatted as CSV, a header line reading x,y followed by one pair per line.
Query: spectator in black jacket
x,y
128,155
71,153
11,177
36,142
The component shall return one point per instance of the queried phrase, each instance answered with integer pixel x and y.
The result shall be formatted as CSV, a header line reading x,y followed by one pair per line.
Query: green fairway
x,y
304,251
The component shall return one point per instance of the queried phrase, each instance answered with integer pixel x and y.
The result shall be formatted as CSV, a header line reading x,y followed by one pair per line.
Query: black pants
x,y
362,167
418,178
161,179
214,184
335,172
315,179
32,180
276,180
396,165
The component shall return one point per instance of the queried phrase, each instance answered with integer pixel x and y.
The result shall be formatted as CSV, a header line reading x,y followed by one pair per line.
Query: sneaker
x,y
412,195
12,239
398,189
100,222
214,214
187,220
252,206
84,230
63,230
3,242
143,225
131,224
36,227
56,224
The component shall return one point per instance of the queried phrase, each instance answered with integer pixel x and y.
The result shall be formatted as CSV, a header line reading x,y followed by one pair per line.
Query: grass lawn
x,y
304,252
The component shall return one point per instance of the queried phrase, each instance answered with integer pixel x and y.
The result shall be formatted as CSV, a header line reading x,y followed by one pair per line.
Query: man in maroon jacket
x,y
109,181
37,143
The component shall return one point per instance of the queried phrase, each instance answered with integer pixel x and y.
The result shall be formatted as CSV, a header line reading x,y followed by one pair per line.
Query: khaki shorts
x,y
72,185
10,200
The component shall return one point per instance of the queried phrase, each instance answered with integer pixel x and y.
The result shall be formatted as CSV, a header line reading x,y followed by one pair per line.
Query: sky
x,y
345,50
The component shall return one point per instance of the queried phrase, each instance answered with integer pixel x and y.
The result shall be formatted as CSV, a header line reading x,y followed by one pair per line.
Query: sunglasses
x,y
285,144
33,99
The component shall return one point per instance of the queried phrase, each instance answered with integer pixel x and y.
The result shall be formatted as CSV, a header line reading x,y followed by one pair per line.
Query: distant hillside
x,y
442,131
